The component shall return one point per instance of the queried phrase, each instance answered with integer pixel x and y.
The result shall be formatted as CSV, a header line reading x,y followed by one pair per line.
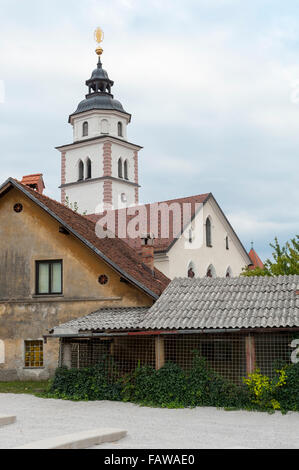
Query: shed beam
x,y
250,354
159,352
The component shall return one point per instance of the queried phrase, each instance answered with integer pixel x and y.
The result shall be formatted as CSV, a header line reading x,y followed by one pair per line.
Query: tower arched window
x,y
208,232
85,129
80,171
88,168
126,170
119,129
120,168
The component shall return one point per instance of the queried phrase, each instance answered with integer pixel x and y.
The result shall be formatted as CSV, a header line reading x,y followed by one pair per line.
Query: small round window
x,y
18,207
103,279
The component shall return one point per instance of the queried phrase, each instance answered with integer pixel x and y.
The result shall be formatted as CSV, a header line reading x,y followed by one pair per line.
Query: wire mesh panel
x,y
224,353
272,350
126,352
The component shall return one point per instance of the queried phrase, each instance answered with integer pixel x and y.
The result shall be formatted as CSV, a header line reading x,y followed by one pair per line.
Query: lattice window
x,y
34,355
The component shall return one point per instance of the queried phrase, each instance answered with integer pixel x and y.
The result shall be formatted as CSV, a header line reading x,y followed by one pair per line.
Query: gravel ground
x,y
147,428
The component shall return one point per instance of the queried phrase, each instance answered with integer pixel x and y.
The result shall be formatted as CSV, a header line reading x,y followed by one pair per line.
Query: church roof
x,y
99,101
256,261
114,251
163,244
99,95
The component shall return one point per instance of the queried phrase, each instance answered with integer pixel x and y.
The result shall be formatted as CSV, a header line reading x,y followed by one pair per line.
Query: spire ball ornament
x,y
99,37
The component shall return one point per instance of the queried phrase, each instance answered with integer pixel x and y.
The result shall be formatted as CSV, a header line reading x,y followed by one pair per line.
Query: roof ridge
x,y
152,203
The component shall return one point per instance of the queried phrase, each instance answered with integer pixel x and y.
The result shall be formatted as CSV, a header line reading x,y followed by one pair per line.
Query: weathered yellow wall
x,y
33,235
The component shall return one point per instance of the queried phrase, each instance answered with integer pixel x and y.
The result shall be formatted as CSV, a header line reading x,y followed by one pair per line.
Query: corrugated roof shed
x,y
104,319
243,302
222,303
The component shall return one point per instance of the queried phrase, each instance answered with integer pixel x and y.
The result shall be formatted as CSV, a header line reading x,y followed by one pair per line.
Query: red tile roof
x,y
256,261
114,251
160,244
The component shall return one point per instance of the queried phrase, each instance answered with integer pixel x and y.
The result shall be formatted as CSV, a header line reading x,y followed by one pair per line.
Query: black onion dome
x,y
99,101
99,93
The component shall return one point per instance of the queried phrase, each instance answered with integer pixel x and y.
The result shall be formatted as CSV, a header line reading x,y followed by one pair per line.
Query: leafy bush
x,y
166,387
288,395
208,388
172,387
264,390
91,383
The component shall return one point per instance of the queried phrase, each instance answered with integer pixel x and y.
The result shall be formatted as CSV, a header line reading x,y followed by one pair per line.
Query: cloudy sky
x,y
212,85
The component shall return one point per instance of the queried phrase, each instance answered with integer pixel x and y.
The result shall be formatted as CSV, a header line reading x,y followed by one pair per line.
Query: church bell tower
x,y
99,169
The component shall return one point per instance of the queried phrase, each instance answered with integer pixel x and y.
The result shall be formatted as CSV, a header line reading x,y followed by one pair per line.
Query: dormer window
x,y
119,129
85,129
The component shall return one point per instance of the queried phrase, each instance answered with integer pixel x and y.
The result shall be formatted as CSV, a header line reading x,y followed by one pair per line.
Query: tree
x,y
285,260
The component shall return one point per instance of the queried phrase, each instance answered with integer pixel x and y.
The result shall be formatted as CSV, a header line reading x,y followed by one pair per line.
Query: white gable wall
x,y
176,263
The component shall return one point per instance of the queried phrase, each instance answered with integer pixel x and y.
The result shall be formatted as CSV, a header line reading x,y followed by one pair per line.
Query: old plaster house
x,y
53,269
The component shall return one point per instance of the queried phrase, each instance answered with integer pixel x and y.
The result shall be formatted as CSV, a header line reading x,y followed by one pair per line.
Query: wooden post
x,y
159,350
67,355
250,354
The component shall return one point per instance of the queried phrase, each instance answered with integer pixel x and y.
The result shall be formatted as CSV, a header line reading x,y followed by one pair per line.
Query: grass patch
x,y
29,387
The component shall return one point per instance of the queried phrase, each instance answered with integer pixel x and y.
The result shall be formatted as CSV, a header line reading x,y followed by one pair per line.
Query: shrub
x,y
207,388
172,387
98,382
166,387
288,395
264,389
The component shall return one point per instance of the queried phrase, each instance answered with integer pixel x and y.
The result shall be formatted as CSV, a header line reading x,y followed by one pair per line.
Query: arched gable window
x,y
120,168
211,271
88,168
191,270
119,129
126,172
80,171
85,129
208,232
229,272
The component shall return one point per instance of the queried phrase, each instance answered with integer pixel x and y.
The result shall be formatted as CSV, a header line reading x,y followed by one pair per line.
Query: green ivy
x,y
171,386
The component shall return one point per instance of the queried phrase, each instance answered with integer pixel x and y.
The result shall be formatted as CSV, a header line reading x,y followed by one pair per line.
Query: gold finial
x,y
99,36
